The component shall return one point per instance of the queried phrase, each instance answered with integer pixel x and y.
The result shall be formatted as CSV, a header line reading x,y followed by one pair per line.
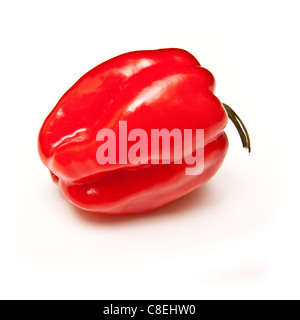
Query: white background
x,y
237,237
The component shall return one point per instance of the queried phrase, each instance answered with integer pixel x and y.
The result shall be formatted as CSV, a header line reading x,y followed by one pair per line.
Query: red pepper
x,y
158,89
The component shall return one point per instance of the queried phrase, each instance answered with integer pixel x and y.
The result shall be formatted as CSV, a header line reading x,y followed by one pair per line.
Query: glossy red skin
x,y
157,89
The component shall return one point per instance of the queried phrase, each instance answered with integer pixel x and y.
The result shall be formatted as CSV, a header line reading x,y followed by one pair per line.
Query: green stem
x,y
241,128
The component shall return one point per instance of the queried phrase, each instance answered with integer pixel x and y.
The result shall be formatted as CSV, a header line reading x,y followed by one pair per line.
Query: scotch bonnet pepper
x,y
159,89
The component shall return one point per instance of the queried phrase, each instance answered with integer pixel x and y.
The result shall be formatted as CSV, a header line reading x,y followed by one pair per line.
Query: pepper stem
x,y
241,128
